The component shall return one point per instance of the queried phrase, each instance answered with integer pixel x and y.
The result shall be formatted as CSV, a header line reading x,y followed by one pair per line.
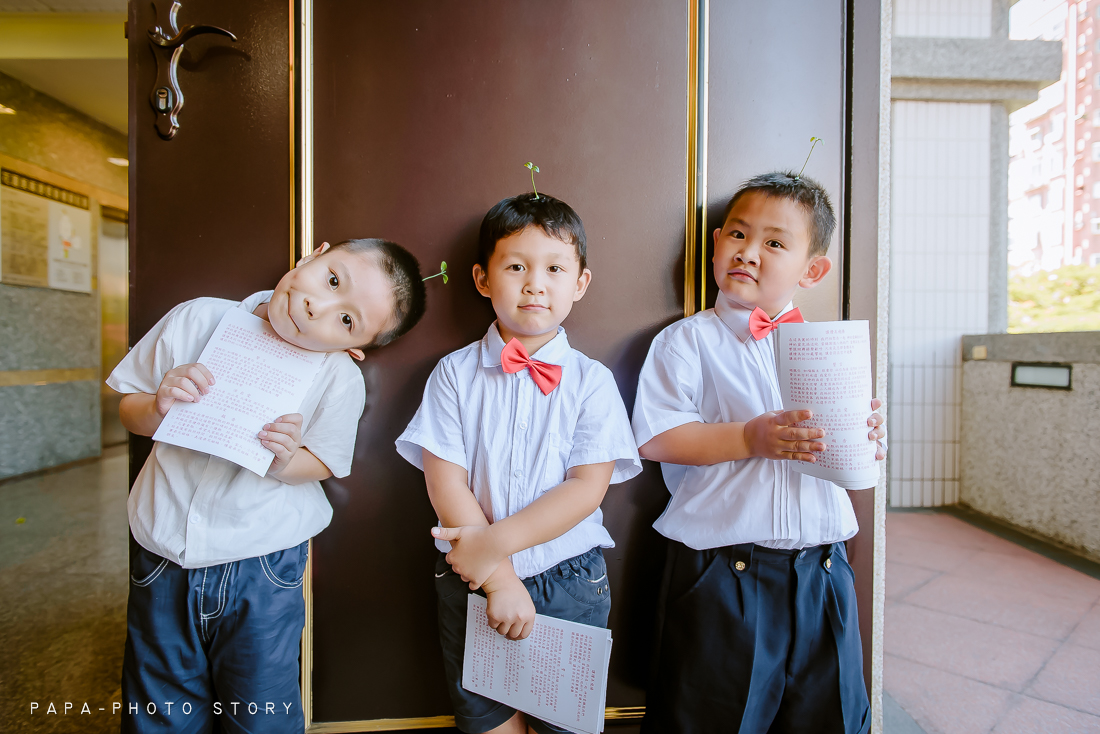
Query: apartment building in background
x,y
1054,145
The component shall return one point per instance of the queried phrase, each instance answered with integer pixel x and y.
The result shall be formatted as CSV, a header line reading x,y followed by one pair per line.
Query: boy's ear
x,y
481,280
319,251
356,354
717,234
583,282
818,267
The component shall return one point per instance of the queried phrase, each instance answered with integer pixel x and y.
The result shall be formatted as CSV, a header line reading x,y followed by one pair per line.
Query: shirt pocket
x,y
557,459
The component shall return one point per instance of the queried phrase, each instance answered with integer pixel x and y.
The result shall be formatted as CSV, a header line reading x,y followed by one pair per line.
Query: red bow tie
x,y
514,358
760,325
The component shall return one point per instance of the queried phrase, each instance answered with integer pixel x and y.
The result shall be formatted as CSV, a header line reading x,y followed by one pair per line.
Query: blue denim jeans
x,y
575,590
215,648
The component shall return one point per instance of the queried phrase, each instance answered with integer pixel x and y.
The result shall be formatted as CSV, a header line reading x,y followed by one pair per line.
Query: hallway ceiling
x,y
72,50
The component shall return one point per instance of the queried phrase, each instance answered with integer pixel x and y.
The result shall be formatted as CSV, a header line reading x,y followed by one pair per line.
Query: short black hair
x,y
403,270
805,192
509,216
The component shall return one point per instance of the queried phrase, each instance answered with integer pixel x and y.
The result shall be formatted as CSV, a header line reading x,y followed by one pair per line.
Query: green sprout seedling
x,y
533,169
442,271
813,144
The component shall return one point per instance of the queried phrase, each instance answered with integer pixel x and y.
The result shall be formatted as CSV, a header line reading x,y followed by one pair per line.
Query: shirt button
x,y
740,565
518,473
523,425
195,519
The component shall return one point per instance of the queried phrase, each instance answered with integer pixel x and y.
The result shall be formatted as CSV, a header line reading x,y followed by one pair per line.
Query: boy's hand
x,y
186,383
878,423
474,556
282,437
510,610
775,436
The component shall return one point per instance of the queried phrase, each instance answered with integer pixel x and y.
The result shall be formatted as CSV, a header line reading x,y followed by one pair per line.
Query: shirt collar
x,y
251,303
552,352
736,316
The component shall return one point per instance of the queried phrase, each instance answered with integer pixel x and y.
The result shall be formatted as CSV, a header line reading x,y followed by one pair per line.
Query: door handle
x,y
167,98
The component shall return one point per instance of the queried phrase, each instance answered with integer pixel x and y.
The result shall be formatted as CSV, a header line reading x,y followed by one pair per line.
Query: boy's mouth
x,y
742,275
291,316
534,307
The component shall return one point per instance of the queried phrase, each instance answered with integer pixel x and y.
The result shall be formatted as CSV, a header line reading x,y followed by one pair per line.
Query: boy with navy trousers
x,y
519,436
215,610
758,625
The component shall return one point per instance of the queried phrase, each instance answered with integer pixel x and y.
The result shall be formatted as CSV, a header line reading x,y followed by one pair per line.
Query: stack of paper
x,y
558,674
257,378
825,367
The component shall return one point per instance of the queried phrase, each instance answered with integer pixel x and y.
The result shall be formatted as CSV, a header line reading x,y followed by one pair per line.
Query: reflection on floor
x,y
983,635
63,585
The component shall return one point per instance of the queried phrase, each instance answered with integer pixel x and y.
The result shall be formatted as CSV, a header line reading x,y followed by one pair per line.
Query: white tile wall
x,y
938,287
943,18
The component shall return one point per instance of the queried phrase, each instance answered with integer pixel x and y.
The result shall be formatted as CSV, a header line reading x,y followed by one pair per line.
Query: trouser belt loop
x,y
741,557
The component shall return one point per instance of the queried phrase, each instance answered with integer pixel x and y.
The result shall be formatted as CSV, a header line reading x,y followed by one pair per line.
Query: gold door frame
x,y
301,244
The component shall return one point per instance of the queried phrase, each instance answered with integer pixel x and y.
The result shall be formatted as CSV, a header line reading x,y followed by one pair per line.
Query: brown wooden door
x,y
210,211
425,113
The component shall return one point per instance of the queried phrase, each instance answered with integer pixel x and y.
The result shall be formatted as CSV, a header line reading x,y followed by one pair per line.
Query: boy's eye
x,y
775,244
515,267
333,281
345,320
555,269
737,234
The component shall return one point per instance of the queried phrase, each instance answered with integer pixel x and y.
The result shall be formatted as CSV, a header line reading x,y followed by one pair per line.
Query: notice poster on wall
x,y
45,235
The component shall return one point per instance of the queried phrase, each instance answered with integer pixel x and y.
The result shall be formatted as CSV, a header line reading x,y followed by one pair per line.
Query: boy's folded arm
x,y
477,550
449,492
698,444
138,412
303,467
557,511
772,435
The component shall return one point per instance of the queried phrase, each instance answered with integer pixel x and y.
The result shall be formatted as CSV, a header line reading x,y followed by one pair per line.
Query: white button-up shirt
x,y
199,510
709,369
516,443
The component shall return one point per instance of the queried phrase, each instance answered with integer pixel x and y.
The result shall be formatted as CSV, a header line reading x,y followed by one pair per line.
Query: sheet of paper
x,y
257,378
826,367
558,674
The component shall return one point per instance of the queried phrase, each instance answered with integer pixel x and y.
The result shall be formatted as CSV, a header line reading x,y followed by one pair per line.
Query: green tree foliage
x,y
1067,299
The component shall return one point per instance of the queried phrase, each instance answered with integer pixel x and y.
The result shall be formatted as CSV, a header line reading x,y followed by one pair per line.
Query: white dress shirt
x,y
199,510
708,368
516,443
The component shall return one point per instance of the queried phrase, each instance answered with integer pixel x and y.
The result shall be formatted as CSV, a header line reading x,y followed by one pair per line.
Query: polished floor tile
x,y
63,581
983,635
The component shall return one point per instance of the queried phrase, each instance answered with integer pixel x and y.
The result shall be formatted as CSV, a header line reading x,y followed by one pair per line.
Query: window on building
x,y
1096,151
1094,225
1096,190
1094,259
1078,220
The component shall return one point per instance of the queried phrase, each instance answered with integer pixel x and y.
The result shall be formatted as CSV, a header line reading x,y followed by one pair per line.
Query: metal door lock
x,y
167,98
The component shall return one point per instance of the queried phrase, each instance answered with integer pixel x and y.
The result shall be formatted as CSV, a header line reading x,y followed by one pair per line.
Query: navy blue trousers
x,y
575,590
754,640
216,648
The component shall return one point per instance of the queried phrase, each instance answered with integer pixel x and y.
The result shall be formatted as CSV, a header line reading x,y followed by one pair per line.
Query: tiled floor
x,y
983,635
63,597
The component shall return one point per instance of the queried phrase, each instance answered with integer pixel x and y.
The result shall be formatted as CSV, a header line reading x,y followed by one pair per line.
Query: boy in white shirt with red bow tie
x,y
519,436
758,614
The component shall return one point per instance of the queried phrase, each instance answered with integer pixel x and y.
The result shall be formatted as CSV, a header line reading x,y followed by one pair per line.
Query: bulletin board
x,y
45,235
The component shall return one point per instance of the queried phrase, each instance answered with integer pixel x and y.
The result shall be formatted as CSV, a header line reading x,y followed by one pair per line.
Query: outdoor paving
x,y
984,635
